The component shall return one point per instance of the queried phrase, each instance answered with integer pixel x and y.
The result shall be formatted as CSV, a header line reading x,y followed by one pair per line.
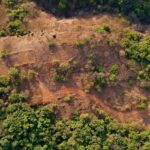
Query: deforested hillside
x,y
74,75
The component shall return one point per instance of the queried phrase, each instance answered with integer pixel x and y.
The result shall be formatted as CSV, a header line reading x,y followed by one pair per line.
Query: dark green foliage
x,y
138,49
2,109
61,72
15,97
24,127
16,77
28,128
4,86
100,81
113,69
14,28
18,13
133,8
4,81
2,32
143,103
11,3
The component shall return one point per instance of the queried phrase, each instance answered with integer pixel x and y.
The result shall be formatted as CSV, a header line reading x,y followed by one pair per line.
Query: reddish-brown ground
x,y
32,52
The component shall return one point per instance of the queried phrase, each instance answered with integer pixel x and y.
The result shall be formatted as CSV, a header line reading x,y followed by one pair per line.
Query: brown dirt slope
x,y
32,52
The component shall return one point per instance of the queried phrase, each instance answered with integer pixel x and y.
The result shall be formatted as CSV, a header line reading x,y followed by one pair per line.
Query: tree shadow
x,y
69,10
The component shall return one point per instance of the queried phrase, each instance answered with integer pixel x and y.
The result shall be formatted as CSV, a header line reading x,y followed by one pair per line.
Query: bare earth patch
x,y
32,52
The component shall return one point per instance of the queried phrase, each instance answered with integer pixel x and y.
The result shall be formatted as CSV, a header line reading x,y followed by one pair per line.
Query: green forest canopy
x,y
133,8
38,128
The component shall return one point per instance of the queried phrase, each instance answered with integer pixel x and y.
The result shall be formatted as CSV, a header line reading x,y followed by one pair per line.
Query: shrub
x,y
31,74
17,14
113,69
143,103
4,81
16,76
112,74
14,72
68,98
2,33
62,72
11,3
100,81
2,109
137,48
51,44
16,97
4,54
111,42
104,28
14,26
81,43
145,73
4,92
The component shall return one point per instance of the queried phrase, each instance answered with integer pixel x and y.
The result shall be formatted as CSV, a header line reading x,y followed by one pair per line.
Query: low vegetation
x,y
16,15
4,54
137,48
104,28
61,72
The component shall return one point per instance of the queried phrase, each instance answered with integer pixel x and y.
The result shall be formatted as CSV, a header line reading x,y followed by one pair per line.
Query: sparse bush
x,y
4,91
143,103
113,69
51,44
17,14
16,97
81,43
68,98
4,54
137,48
11,3
4,81
61,72
2,32
104,28
111,42
14,72
100,81
31,74
144,74
87,81
14,26
112,74
16,77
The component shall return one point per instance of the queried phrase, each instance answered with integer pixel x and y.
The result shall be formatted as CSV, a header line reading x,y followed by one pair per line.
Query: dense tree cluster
x,y
137,47
132,8
30,128
36,127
